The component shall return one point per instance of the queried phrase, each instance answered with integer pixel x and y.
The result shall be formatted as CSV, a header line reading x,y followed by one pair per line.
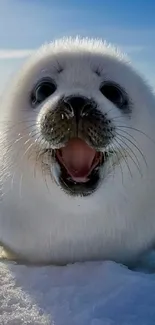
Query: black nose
x,y
76,102
77,105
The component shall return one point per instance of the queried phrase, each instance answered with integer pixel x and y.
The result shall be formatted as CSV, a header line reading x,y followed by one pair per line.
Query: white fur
x,y
43,224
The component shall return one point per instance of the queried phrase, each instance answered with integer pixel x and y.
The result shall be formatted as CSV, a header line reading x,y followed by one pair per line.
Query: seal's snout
x,y
77,106
76,117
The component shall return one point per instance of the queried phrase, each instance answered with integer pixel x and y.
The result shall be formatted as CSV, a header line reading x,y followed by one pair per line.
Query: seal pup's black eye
x,y
114,93
43,90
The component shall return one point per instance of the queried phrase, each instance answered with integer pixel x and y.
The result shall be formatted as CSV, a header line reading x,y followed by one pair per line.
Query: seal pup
x,y
77,157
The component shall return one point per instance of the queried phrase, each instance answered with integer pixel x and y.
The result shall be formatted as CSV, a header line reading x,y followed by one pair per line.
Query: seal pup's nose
x,y
77,106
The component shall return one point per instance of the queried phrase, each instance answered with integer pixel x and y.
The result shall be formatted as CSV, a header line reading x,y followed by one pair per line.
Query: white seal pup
x,y
77,157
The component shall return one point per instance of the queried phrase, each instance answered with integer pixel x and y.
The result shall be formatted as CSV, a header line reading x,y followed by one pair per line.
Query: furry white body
x,y
40,222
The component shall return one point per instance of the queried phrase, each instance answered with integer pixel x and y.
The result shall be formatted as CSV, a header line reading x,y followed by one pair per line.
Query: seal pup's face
x,y
78,93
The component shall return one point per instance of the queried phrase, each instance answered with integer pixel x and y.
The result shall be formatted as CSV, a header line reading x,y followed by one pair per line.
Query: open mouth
x,y
79,164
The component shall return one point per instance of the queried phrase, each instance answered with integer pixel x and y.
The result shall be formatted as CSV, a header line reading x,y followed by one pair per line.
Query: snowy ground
x,y
99,293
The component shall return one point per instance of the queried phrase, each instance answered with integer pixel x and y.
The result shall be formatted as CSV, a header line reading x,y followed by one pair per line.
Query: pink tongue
x,y
77,157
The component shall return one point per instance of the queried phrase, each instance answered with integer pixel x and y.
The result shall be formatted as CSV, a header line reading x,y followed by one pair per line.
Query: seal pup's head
x,y
81,94
82,120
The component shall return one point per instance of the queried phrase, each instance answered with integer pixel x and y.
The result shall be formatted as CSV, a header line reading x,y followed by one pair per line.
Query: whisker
x,y
44,174
130,135
139,150
137,130
136,163
25,152
121,136
123,156
117,158
5,124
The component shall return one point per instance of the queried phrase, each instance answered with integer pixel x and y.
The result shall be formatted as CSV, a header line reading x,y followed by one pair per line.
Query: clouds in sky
x,y
26,24
15,54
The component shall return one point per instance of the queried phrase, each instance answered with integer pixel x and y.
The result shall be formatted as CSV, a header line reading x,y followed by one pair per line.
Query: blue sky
x,y
26,24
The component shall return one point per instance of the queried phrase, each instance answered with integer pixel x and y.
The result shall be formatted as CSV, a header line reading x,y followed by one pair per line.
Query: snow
x,y
94,293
